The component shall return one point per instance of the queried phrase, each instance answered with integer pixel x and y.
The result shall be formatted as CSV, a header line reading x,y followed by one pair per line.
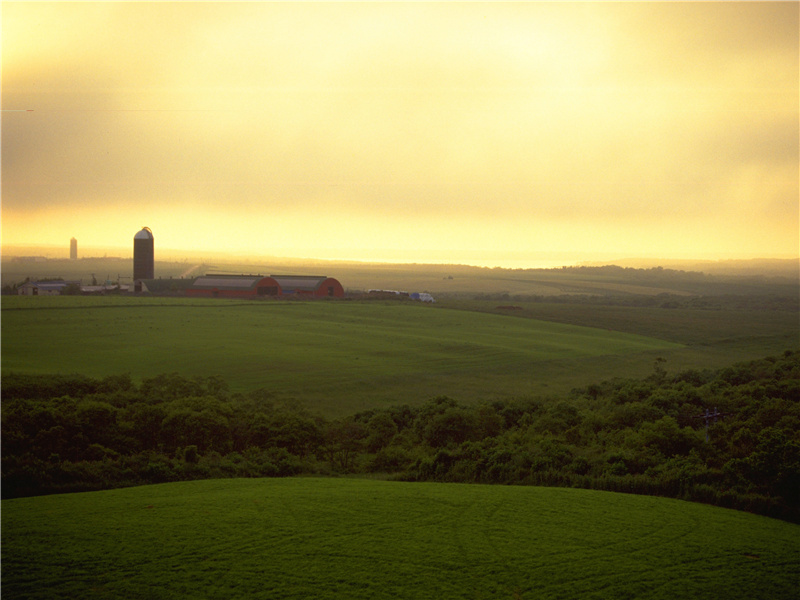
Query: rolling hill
x,y
334,356
341,538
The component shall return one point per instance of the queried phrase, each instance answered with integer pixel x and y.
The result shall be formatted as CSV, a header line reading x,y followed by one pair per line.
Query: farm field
x,y
347,538
341,357
337,357
712,338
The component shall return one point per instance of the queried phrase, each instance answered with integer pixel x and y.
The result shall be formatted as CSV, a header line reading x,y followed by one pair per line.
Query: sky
x,y
496,134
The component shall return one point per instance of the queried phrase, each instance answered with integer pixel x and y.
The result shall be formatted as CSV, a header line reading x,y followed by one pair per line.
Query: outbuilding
x,y
164,287
45,288
309,285
234,286
253,286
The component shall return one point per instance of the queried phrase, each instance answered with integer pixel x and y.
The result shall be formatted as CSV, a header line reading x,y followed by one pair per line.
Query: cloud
x,y
449,118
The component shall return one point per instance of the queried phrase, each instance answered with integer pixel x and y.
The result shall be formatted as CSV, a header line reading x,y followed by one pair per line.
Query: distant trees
x,y
70,433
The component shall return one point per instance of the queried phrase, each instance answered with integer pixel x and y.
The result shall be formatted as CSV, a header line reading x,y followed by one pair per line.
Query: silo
x,y
143,254
73,249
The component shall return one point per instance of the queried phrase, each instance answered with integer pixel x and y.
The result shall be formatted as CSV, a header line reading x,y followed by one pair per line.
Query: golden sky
x,y
476,133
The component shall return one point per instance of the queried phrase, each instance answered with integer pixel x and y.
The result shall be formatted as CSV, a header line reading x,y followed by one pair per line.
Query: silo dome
x,y
144,234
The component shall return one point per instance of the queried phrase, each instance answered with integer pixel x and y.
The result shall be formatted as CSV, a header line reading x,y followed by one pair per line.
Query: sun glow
x,y
389,130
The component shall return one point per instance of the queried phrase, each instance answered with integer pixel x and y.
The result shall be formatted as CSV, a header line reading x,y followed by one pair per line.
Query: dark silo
x,y
143,254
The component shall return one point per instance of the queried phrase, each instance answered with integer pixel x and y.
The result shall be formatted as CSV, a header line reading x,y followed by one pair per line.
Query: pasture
x,y
342,357
337,357
346,538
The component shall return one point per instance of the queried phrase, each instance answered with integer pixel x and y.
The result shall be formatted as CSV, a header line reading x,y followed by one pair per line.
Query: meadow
x,y
349,358
346,538
336,357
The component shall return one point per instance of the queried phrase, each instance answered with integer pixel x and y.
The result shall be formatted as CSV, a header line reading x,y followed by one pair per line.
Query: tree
x,y
143,422
343,440
381,429
451,427
97,421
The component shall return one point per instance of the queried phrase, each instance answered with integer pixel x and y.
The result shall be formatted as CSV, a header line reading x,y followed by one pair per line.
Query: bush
x,y
69,433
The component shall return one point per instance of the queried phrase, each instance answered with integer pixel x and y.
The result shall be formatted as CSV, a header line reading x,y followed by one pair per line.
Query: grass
x,y
709,338
335,356
345,538
690,326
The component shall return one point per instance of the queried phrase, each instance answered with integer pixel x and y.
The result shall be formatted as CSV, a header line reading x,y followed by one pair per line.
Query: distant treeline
x,y
648,436
681,289
662,274
769,302
634,273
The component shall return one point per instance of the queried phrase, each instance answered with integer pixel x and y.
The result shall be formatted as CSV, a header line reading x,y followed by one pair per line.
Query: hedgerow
x,y
648,436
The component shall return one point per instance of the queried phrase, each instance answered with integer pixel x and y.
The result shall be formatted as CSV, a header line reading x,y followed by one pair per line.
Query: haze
x,y
474,133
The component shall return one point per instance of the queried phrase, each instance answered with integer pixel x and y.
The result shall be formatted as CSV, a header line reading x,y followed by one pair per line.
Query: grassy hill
x,y
341,357
335,356
340,538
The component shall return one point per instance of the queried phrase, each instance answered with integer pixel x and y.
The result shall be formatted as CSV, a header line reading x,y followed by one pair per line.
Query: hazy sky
x,y
477,133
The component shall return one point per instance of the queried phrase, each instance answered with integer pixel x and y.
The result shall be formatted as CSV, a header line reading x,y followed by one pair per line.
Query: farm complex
x,y
227,286
144,281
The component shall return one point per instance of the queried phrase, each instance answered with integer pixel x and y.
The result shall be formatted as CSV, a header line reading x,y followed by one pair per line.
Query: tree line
x,y
775,301
646,436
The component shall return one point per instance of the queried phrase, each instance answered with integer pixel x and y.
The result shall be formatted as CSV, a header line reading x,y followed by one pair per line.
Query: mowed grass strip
x,y
300,348
345,538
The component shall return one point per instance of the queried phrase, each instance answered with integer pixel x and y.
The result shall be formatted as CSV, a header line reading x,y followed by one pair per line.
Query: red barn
x,y
234,286
309,285
251,286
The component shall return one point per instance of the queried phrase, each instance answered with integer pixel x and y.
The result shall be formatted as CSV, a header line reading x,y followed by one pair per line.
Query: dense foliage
x,y
71,433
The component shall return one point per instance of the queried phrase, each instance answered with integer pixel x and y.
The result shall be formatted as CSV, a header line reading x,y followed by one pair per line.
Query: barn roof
x,y
49,285
309,283
228,282
285,283
167,285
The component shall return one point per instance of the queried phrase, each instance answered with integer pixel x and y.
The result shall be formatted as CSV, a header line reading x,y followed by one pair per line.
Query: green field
x,y
711,337
340,357
344,354
351,358
340,538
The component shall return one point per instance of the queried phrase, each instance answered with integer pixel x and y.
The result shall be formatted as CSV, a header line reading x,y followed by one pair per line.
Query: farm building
x,y
167,286
309,285
44,288
234,286
242,286
395,294
387,294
